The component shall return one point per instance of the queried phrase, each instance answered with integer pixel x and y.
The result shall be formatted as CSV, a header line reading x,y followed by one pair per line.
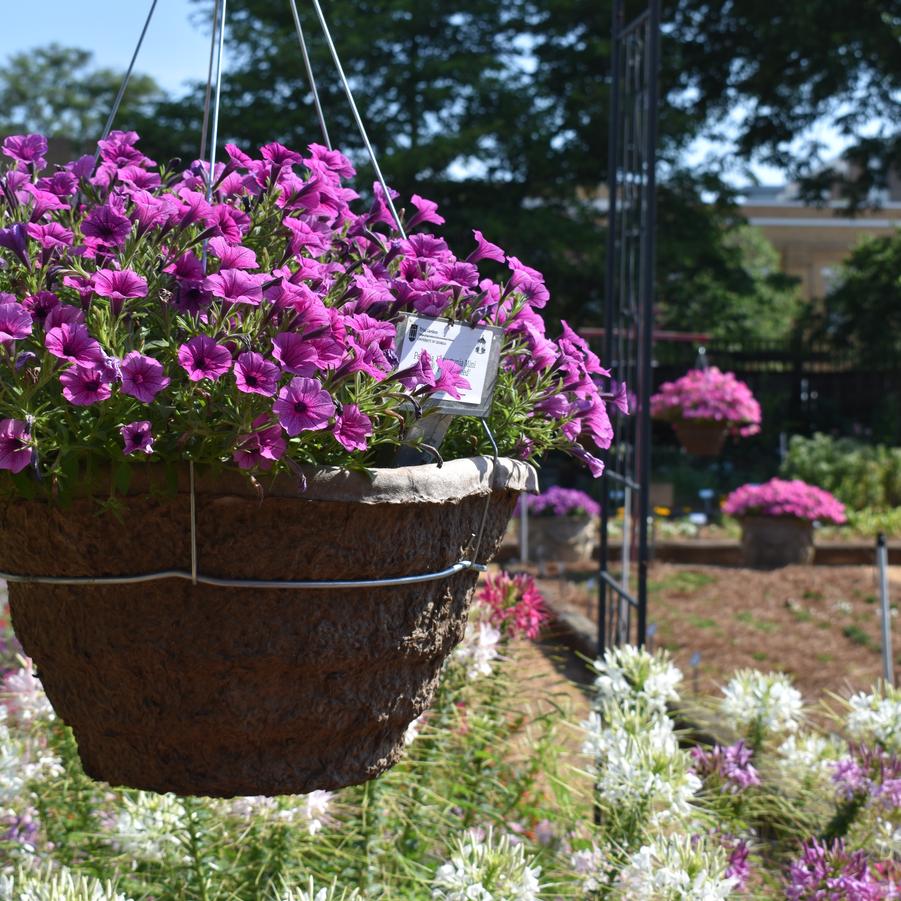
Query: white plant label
x,y
475,349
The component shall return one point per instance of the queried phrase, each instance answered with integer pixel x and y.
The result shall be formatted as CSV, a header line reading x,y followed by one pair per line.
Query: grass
x,y
858,636
761,625
685,581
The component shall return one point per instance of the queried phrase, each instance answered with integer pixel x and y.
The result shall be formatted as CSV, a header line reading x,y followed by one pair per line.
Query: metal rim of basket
x,y
198,578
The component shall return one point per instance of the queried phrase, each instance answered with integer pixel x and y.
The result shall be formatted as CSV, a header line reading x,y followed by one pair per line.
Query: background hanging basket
x,y
768,542
703,439
170,686
567,539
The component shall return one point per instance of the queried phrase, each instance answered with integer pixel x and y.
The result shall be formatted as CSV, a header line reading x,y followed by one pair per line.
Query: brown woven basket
x,y
194,689
703,439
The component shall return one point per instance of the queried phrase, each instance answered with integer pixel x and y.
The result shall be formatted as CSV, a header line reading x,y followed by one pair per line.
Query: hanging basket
x,y
564,539
203,690
769,542
701,438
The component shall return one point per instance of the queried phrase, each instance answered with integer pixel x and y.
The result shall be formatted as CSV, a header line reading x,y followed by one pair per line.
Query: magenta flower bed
x,y
781,497
144,315
557,501
708,395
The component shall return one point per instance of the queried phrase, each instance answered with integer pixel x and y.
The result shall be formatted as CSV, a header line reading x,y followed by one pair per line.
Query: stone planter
x,y
564,539
202,690
701,438
768,542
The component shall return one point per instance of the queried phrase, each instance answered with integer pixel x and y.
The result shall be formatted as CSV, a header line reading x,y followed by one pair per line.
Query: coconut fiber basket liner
x,y
195,689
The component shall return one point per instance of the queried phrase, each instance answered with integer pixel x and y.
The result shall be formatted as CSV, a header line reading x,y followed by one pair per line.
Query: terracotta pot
x,y
201,690
703,439
565,539
768,542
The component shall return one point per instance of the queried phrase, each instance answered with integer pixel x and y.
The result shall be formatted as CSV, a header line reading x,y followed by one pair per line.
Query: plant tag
x,y
475,349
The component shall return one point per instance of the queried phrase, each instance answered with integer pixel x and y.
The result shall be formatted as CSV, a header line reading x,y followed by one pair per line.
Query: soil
x,y
819,624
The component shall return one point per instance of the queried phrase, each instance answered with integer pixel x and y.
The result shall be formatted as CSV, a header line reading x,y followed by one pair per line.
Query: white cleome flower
x,y
148,826
309,892
593,866
489,870
630,675
24,695
479,649
310,811
875,718
22,762
58,884
676,868
808,758
761,704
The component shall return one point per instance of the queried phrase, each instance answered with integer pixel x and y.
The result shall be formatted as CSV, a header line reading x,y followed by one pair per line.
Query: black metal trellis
x,y
628,317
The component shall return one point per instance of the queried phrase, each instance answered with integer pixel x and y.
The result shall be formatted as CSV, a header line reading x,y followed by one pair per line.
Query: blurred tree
x,y
58,92
864,309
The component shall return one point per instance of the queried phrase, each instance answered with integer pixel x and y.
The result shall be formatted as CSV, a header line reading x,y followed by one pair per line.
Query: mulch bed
x,y
819,624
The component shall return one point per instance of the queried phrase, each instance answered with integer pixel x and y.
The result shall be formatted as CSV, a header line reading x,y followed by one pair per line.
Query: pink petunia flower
x,y
352,427
303,405
73,342
254,374
15,322
260,448
15,444
142,377
83,385
137,437
203,358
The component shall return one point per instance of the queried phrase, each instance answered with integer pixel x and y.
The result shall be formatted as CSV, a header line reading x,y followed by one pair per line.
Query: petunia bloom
x,y
236,286
261,448
303,405
485,250
203,358
73,342
106,226
254,374
449,379
297,354
26,149
15,322
137,437
15,444
118,284
142,377
352,427
83,385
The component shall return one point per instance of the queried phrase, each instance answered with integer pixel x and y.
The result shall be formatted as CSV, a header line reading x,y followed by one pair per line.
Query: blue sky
x,y
174,50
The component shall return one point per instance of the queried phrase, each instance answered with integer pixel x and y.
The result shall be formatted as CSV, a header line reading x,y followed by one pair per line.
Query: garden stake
x,y
888,669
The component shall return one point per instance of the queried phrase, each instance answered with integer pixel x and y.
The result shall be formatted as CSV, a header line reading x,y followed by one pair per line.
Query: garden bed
x,y
820,625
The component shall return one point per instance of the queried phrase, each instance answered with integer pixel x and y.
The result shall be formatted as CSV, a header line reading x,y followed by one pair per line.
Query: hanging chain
x,y
118,101
204,129
310,77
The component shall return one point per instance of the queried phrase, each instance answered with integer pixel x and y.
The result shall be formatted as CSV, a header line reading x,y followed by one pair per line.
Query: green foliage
x,y
59,92
860,475
864,310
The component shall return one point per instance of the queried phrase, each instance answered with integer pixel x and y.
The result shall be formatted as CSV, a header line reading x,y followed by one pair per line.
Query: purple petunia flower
x,y
118,284
84,385
233,256
262,447
236,286
485,250
15,444
352,427
254,374
40,305
142,377
426,211
448,378
15,238
297,355
106,226
26,149
73,342
137,437
15,322
303,406
203,358
50,235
